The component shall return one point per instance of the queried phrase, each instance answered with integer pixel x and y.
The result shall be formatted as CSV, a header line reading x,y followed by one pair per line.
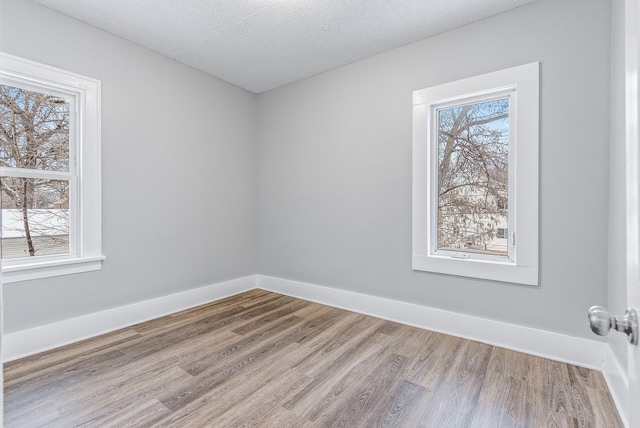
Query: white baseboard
x,y
31,341
618,383
573,350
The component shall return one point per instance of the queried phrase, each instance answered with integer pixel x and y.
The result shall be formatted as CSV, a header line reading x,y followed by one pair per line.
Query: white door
x,y
632,83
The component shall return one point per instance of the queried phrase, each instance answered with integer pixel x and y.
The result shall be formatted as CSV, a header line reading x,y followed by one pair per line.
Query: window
x,y
502,233
472,172
475,176
49,171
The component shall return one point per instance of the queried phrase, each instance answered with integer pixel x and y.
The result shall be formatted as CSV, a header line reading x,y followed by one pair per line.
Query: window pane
x,y
473,154
35,217
35,130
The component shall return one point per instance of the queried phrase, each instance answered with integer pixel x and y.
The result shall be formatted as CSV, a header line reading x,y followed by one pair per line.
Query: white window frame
x,y
521,265
84,168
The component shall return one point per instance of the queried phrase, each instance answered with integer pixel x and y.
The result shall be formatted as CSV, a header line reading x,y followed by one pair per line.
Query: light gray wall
x,y
617,299
174,141
334,167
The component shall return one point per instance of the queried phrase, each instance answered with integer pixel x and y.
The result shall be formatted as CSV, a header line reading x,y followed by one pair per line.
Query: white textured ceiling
x,y
263,44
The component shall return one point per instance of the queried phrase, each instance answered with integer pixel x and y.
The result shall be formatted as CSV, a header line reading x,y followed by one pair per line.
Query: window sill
x,y
49,269
483,269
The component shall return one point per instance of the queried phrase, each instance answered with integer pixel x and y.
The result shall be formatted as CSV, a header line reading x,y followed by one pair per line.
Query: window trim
x,y
522,264
87,93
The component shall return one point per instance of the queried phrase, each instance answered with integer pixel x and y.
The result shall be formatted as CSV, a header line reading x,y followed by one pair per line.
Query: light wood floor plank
x,y
455,397
260,359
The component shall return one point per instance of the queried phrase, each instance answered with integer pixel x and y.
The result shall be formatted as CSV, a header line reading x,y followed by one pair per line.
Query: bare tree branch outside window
x,y
473,155
34,135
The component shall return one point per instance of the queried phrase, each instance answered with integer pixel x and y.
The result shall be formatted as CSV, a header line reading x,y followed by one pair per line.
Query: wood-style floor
x,y
267,360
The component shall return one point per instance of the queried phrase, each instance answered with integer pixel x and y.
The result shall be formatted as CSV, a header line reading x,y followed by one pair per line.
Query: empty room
x,y
319,213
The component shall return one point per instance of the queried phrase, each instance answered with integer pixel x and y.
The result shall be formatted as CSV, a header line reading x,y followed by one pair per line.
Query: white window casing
x,y
521,85
84,173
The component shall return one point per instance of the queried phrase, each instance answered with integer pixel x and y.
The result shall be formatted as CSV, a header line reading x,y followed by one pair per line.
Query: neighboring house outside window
x,y
49,171
475,191
502,233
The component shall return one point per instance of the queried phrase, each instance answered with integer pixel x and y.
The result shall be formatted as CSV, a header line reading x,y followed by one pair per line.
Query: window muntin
x,y
62,176
510,259
472,170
